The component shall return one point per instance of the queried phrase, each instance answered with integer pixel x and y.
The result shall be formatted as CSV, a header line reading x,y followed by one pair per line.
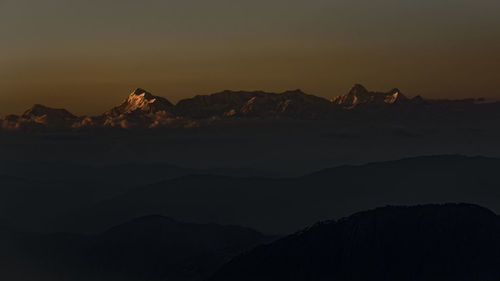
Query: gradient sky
x,y
87,55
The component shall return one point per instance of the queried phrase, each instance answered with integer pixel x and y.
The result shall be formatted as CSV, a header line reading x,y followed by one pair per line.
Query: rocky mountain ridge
x,y
359,95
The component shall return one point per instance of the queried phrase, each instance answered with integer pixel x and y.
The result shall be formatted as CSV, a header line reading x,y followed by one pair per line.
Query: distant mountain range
x,y
145,110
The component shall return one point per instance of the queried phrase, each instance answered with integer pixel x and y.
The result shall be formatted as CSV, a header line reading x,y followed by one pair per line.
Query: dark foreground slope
x,y
432,242
148,248
288,204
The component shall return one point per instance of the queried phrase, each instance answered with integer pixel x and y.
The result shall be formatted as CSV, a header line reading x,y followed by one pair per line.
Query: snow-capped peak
x,y
359,95
141,100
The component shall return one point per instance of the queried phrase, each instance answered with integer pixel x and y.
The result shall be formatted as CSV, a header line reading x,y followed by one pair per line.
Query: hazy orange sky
x,y
88,55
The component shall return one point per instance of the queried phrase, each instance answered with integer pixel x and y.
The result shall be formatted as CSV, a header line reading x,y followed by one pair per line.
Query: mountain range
x,y
144,110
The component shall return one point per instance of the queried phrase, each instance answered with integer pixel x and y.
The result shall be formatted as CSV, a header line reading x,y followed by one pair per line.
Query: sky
x,y
88,55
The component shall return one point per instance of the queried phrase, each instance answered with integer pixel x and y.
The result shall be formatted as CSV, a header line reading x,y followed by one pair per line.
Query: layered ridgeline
x,y
145,248
145,110
419,243
422,243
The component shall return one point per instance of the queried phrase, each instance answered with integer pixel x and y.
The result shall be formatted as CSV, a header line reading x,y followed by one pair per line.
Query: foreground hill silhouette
x,y
143,110
146,248
423,243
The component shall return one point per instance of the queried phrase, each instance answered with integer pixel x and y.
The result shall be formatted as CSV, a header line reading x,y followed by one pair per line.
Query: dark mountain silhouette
x,y
427,243
41,111
283,205
254,104
146,248
34,195
39,116
143,110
